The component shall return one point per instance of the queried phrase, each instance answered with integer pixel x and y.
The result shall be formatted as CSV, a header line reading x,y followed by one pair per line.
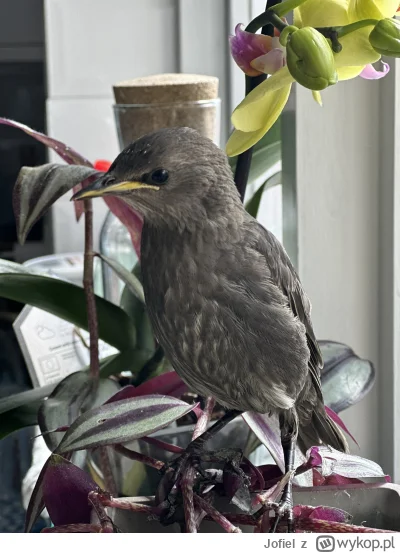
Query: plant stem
x,y
189,473
108,476
216,515
89,290
164,445
135,456
287,6
243,162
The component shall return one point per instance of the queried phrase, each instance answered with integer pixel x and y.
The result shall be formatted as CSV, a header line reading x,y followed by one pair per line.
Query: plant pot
x,y
371,505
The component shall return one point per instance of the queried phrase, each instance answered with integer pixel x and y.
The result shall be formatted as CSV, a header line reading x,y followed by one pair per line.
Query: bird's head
x,y
173,172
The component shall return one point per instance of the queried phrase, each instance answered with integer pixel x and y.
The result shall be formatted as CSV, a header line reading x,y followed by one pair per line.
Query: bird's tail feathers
x,y
321,430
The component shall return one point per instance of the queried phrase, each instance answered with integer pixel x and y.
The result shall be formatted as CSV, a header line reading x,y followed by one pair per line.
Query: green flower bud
x,y
310,59
385,37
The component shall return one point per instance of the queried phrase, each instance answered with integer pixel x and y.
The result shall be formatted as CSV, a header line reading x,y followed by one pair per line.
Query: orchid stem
x,y
287,7
89,291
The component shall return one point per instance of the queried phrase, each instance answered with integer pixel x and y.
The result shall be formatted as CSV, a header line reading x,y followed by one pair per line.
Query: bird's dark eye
x,y
159,176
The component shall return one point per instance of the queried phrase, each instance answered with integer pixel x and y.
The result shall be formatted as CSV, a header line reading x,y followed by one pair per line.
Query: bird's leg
x,y
195,448
285,506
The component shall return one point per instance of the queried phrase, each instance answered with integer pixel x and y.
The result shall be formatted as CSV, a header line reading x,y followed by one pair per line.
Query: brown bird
x,y
225,302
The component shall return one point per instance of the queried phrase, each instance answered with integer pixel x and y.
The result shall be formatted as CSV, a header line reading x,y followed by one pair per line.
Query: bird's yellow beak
x,y
97,189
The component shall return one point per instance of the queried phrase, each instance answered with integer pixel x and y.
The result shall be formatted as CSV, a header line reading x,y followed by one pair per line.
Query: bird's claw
x,y
283,510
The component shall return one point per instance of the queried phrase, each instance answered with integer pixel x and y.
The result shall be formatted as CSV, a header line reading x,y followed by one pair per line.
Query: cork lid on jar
x,y
166,88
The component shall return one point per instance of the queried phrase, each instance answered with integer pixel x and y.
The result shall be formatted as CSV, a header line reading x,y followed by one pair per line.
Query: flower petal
x,y
245,47
372,9
369,72
267,99
315,13
357,49
240,141
317,97
346,73
269,63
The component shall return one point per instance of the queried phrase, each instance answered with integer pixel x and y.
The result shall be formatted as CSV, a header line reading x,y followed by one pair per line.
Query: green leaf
x,y
253,205
137,311
21,410
128,360
130,279
24,398
37,188
36,502
68,302
20,417
63,405
123,421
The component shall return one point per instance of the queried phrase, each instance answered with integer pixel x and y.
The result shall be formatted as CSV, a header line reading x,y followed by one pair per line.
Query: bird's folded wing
x,y
285,277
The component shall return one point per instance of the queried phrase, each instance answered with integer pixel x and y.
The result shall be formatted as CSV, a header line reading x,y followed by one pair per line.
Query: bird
x,y
225,302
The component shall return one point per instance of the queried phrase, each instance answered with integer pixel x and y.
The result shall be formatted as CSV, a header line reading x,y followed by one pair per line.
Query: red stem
x,y
89,290
218,517
135,456
164,445
189,473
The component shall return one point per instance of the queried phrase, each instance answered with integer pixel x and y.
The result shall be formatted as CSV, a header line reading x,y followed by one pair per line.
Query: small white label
x,y
51,347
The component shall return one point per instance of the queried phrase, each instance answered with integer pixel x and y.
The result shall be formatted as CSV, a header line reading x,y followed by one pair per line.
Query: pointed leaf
x,y
37,188
36,502
62,407
332,354
130,279
347,383
267,431
329,462
65,152
123,421
67,301
65,492
69,155
24,398
169,384
339,422
20,417
252,206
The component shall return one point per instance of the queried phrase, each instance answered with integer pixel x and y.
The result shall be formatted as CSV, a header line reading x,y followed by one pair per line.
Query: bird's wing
x,y
286,278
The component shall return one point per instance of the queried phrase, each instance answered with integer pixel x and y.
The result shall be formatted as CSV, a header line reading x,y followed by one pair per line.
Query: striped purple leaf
x,y
123,421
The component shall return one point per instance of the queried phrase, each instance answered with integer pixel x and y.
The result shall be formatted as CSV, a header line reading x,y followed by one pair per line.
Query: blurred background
x,y
335,205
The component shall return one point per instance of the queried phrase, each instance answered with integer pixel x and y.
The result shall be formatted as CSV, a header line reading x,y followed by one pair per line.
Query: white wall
x,y
90,45
337,152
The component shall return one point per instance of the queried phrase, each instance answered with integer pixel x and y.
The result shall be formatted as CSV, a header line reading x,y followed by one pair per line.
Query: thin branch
x,y
216,515
126,505
107,525
108,476
135,456
164,445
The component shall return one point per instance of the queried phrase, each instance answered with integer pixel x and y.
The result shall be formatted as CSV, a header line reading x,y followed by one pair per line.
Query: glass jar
x,y
133,121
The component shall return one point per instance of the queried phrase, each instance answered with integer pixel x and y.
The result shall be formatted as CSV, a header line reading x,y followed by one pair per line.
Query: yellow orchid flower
x,y
255,115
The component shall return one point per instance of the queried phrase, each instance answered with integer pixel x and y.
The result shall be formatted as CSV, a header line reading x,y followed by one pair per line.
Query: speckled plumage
x,y
224,300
